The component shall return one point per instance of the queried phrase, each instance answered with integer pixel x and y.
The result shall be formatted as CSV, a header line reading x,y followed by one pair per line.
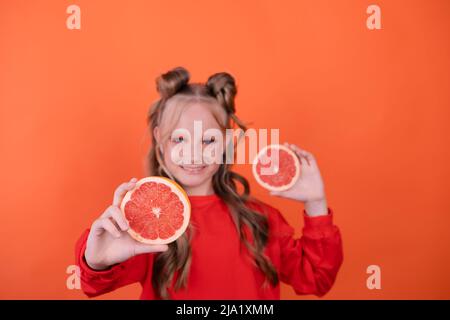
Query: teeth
x,y
193,168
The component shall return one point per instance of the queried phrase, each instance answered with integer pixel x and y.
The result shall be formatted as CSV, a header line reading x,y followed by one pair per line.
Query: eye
x,y
209,141
178,139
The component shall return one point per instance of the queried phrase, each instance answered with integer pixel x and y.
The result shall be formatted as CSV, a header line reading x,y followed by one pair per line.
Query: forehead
x,y
203,112
182,114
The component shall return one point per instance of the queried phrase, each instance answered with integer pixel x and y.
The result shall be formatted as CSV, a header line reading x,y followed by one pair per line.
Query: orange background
x,y
372,105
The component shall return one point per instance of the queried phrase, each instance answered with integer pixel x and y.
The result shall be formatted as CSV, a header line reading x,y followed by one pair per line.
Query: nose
x,y
197,152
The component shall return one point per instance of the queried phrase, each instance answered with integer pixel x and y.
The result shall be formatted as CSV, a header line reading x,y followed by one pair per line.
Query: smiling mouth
x,y
193,169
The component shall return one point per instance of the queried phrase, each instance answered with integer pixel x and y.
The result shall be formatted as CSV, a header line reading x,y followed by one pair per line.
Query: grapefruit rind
x,y
175,188
268,186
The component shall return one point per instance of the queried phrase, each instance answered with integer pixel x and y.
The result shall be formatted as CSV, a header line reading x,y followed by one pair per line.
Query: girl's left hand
x,y
309,188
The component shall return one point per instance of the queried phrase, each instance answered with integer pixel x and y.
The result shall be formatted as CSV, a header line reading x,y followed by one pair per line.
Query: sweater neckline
x,y
203,199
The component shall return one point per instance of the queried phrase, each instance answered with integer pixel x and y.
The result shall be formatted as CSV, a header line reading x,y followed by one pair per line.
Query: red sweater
x,y
219,270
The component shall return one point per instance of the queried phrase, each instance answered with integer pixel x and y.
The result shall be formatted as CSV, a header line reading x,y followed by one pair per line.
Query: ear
x,y
157,135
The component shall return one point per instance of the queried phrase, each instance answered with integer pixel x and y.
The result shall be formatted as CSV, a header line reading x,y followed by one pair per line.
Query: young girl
x,y
235,247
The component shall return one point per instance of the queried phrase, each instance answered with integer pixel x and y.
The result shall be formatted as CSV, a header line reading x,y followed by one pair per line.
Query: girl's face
x,y
194,170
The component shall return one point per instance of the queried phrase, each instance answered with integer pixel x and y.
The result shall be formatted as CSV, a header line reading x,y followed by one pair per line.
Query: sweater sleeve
x,y
94,282
310,263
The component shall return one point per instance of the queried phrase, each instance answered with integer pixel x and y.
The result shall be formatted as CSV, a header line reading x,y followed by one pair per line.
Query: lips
x,y
193,169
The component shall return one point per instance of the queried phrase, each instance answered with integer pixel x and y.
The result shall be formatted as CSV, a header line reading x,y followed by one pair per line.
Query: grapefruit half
x,y
276,167
157,210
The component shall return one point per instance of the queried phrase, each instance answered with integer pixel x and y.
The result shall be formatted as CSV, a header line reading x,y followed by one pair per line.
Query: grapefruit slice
x,y
280,175
157,210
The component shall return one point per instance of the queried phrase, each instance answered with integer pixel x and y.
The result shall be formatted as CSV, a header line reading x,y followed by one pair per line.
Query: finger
x,y
122,190
140,248
98,227
275,193
308,155
108,212
301,153
118,217
291,147
300,157
110,227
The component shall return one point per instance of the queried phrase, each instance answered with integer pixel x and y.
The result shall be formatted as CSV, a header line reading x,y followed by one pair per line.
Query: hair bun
x,y
223,87
172,81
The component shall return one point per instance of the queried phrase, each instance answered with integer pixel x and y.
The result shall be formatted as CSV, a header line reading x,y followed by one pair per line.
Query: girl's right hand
x,y
108,242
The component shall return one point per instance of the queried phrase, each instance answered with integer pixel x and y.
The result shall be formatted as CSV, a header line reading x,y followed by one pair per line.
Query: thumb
x,y
141,248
